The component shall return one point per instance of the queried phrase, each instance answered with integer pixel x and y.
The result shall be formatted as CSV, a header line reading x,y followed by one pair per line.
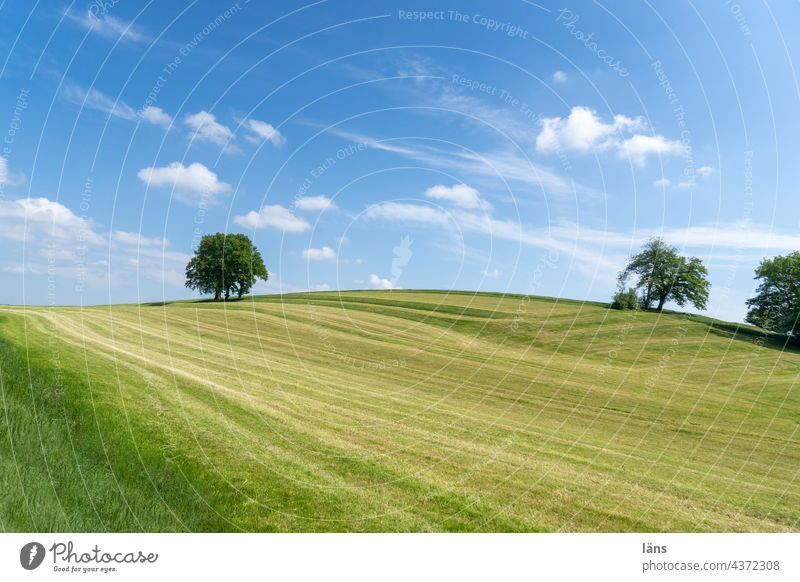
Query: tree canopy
x,y
224,264
661,275
776,306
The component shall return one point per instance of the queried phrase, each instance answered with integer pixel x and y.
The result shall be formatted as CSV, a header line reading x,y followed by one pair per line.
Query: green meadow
x,y
394,411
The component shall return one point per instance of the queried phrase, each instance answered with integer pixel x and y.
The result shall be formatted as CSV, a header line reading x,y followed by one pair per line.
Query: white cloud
x,y
559,77
69,248
34,218
94,99
190,183
461,221
108,26
8,177
99,101
662,182
583,130
273,216
402,212
314,203
156,116
459,194
493,274
135,239
261,131
323,254
322,287
705,171
736,235
207,128
638,147
507,166
380,282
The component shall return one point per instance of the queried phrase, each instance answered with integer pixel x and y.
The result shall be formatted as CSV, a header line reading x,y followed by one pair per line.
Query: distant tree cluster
x,y
660,275
224,265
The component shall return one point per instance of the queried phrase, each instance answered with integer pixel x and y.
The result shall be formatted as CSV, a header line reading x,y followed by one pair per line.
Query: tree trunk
x,y
241,292
227,294
216,295
648,296
661,303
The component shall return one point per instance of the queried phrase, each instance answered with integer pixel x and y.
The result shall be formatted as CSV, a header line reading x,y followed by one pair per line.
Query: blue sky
x,y
510,146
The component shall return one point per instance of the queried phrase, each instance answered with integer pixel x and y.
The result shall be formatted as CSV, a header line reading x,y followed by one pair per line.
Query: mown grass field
x,y
394,411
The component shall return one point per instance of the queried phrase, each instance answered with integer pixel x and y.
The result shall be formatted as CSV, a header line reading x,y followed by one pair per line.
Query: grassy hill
x,y
394,411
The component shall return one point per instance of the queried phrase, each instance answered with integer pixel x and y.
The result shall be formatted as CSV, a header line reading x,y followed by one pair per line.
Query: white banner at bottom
x,y
372,557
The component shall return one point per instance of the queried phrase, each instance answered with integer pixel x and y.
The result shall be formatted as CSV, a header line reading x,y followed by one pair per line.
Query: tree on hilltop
x,y
224,264
661,275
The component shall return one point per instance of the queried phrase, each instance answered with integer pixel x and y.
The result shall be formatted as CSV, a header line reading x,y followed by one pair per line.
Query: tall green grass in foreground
x,y
394,411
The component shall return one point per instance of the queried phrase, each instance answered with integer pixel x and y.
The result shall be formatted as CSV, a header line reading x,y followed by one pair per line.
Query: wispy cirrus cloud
x,y
497,166
108,26
96,100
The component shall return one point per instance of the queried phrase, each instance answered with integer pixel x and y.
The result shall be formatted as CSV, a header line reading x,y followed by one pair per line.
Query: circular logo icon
x,y
31,555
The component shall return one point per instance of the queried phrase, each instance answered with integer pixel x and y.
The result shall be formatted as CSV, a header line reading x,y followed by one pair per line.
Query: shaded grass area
x,y
401,411
68,463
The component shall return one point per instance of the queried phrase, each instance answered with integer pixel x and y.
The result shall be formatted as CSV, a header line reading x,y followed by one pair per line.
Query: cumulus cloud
x,y
493,274
559,77
322,287
380,282
190,183
662,182
638,147
261,131
323,254
272,216
314,203
583,130
705,171
32,218
207,128
156,116
459,194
